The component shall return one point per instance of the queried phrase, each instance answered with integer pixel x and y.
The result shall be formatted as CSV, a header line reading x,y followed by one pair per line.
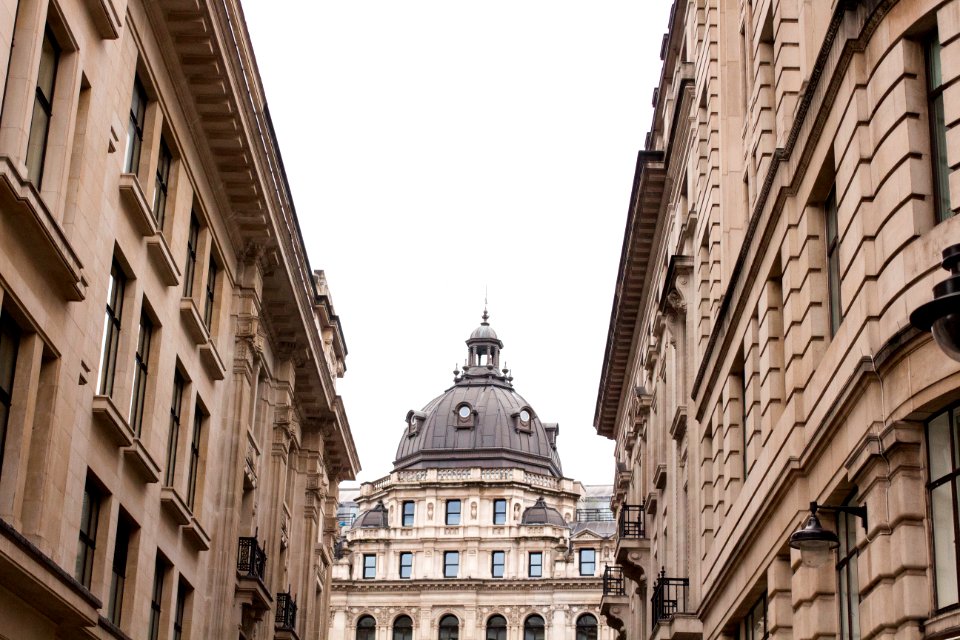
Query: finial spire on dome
x,y
485,315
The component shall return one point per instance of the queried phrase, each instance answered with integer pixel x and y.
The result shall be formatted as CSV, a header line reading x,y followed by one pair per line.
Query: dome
x,y
481,421
484,332
540,513
375,518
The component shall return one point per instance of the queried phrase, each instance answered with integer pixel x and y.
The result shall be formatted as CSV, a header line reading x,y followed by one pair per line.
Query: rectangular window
x,y
156,599
183,592
453,512
111,330
9,346
409,510
42,107
406,565
162,182
943,451
369,566
833,261
118,578
140,370
210,293
89,521
174,435
588,562
499,511
848,584
754,624
193,241
938,130
138,110
451,564
497,562
535,564
194,457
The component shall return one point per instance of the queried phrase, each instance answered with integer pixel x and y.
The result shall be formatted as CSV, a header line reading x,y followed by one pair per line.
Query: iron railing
x,y
594,515
632,521
613,581
286,619
669,597
251,560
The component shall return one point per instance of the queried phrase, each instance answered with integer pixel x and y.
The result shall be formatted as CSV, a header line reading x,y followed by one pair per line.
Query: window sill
x,y
113,629
114,425
210,358
135,203
142,462
162,259
193,322
174,505
106,18
943,625
31,225
196,535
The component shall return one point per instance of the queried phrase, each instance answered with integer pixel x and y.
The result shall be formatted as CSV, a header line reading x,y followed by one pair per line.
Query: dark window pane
x,y
42,107
138,109
9,345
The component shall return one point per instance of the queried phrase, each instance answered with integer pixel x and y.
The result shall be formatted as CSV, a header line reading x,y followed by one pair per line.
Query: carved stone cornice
x,y
454,584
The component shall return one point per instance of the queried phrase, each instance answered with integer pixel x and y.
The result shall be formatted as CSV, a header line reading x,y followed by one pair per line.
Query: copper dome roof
x,y
540,513
375,518
481,421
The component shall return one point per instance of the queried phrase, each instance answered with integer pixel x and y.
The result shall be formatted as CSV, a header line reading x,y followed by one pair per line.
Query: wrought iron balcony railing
x,y
613,581
286,619
251,560
632,521
669,597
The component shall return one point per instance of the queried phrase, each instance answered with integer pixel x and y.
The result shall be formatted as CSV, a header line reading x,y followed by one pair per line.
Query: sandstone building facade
x,y
171,439
475,534
787,214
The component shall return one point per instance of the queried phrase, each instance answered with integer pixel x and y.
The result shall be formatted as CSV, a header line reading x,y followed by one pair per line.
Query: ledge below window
x,y
162,260
26,217
141,462
135,204
174,505
111,422
211,360
196,535
192,321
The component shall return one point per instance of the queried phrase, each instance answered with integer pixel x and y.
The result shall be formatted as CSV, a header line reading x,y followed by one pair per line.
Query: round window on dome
x,y
464,412
524,416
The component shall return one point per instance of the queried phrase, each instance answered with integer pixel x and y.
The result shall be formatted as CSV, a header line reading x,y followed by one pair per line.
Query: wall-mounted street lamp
x,y
815,543
941,316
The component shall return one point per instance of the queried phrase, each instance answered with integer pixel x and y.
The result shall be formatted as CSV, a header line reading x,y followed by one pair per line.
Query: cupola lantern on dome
x,y
483,345
481,421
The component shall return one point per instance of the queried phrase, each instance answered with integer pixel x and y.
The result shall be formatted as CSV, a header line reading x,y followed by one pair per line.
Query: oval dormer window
x,y
464,412
524,416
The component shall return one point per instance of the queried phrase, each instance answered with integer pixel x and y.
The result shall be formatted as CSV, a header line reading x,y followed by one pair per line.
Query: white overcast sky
x,y
436,148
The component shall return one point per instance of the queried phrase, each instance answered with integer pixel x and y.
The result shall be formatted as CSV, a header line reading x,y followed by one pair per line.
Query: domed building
x,y
475,534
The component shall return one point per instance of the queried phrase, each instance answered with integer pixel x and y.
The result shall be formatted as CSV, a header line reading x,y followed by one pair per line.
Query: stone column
x,y
893,567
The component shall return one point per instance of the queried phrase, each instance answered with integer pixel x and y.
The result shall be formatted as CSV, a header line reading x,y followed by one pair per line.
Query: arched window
x,y
533,628
449,628
586,627
497,628
403,628
366,628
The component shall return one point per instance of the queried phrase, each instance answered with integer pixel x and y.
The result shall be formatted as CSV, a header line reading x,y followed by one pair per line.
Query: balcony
x,y
285,623
251,568
594,515
672,618
633,548
615,605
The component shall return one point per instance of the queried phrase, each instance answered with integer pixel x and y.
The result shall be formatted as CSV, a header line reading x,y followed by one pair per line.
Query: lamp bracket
x,y
860,512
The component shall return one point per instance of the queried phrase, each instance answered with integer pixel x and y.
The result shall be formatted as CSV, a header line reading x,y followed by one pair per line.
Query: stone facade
x,y
475,524
170,432
788,211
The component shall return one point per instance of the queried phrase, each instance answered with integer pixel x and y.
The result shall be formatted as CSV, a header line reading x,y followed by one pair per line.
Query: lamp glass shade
x,y
946,332
814,542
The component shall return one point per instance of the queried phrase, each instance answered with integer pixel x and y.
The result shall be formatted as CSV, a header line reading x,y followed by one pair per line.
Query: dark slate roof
x,y
375,518
494,437
540,513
